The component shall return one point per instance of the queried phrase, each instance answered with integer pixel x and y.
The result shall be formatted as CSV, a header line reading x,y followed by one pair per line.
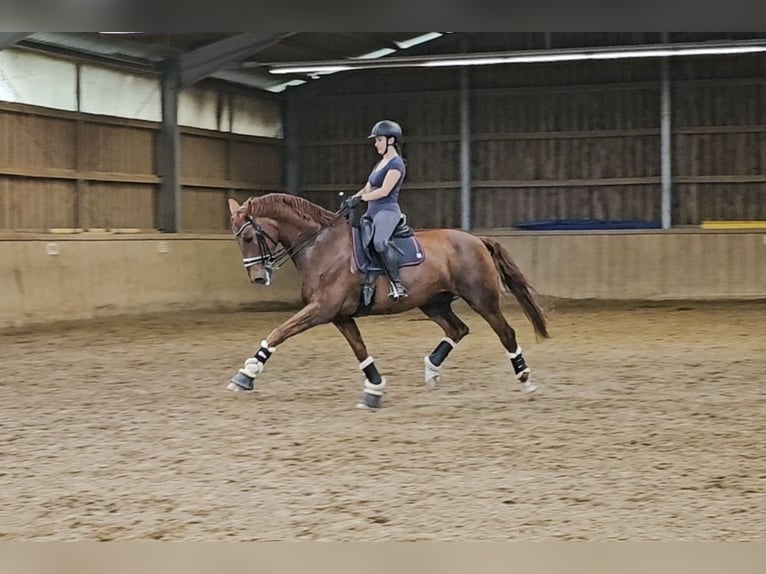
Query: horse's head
x,y
257,240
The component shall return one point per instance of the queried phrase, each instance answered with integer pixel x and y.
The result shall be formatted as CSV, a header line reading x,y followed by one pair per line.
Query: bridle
x,y
267,258
273,260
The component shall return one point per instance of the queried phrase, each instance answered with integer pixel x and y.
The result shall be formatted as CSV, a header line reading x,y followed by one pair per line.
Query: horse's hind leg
x,y
441,313
373,383
487,304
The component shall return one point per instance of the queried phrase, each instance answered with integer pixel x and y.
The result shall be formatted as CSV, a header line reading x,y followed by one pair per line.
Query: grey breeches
x,y
385,223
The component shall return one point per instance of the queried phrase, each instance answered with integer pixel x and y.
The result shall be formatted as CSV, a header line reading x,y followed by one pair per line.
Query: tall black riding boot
x,y
390,259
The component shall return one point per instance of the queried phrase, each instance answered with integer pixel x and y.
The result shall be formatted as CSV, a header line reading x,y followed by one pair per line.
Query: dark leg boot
x,y
390,259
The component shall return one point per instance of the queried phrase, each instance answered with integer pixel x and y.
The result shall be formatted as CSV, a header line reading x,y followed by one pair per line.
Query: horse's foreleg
x,y
442,314
373,383
308,317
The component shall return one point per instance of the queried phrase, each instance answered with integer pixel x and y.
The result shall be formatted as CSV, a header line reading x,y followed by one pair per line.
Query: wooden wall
x,y
549,141
72,170
720,139
183,271
100,274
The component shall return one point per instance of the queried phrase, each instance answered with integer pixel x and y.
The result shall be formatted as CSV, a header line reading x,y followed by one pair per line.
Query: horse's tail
x,y
514,280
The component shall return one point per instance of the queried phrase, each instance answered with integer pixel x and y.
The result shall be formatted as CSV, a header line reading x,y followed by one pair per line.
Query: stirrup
x,y
397,291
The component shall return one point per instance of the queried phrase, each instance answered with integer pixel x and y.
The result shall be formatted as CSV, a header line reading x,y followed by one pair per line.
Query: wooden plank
x,y
759,178
362,141
679,84
231,136
121,205
53,173
355,186
554,135
540,135
602,182
257,163
69,174
117,149
616,181
36,141
493,91
29,110
39,204
205,209
203,157
231,184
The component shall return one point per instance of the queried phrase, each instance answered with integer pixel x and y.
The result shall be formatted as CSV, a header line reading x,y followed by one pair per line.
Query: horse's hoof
x,y
241,383
370,402
432,374
530,390
237,389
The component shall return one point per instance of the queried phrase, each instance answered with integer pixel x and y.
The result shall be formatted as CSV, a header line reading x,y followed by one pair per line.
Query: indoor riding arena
x,y
629,190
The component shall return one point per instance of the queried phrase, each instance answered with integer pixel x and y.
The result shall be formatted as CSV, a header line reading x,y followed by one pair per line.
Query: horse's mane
x,y
276,204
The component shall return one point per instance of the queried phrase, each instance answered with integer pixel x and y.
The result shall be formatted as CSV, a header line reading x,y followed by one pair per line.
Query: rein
x,y
275,260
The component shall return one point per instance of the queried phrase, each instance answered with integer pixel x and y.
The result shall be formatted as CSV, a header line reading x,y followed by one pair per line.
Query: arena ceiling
x,y
251,58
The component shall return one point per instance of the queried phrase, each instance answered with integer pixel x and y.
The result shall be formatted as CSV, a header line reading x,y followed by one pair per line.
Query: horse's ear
x,y
233,206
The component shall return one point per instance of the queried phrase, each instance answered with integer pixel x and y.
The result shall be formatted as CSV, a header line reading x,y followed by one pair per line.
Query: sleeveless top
x,y
391,201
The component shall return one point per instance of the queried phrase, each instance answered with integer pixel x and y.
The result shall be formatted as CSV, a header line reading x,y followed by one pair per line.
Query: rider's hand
x,y
350,202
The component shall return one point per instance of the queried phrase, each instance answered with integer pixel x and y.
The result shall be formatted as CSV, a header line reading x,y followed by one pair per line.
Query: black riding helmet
x,y
387,128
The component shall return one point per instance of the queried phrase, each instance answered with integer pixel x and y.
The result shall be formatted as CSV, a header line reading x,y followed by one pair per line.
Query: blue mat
x,y
580,224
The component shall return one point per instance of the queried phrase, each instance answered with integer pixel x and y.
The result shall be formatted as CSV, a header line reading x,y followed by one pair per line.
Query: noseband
x,y
266,258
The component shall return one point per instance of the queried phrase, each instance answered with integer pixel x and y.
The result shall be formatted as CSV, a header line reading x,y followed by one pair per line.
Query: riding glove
x,y
350,202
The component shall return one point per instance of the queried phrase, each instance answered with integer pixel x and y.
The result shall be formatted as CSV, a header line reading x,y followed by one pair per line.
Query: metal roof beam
x,y
8,39
202,62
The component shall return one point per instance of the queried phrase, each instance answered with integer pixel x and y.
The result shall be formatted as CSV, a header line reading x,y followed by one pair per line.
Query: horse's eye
x,y
247,238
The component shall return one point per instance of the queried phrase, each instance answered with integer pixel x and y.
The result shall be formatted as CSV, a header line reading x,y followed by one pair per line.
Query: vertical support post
x,y
79,204
170,152
666,143
292,144
229,177
465,150
78,150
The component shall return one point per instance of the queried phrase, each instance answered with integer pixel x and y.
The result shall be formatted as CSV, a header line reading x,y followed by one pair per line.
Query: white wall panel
x,y
255,117
114,93
37,80
200,108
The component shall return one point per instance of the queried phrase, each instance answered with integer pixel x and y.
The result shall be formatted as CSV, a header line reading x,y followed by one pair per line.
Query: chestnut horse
x,y
456,265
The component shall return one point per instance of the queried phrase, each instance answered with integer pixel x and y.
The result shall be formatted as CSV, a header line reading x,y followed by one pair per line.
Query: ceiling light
x,y
404,44
376,54
524,57
532,58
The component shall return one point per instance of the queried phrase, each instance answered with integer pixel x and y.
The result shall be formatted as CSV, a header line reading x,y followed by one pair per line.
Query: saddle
x,y
403,240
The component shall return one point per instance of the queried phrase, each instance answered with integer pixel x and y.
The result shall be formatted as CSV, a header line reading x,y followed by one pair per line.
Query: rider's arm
x,y
392,177
367,187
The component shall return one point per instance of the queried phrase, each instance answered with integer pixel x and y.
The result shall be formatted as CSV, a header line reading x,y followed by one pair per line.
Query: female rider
x,y
381,192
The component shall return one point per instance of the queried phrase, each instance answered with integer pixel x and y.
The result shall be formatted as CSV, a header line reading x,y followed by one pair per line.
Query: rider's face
x,y
380,144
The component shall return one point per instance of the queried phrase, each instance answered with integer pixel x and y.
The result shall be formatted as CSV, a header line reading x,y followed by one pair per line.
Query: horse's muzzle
x,y
262,279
